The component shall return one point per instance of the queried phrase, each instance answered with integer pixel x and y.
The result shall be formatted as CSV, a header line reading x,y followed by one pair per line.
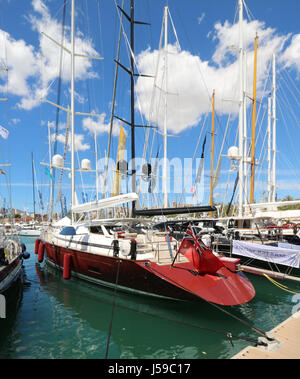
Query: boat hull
x,y
10,273
146,277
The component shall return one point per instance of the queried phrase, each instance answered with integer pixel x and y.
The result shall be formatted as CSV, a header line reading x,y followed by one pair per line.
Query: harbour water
x,y
49,317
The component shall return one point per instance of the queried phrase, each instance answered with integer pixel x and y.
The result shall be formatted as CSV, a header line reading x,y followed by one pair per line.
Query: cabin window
x,y
96,229
246,224
231,224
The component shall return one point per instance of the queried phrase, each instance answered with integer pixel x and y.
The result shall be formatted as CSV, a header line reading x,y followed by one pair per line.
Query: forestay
x,y
273,254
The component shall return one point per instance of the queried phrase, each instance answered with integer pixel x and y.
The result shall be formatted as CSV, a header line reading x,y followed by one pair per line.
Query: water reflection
x,y
70,319
146,327
13,298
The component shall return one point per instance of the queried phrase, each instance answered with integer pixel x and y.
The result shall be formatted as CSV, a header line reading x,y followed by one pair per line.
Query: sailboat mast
x,y
241,111
33,190
133,185
72,105
274,132
245,132
269,149
165,192
253,124
212,152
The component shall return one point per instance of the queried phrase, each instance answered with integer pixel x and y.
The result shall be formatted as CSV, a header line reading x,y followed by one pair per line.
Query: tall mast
x,y
132,75
133,186
245,133
241,111
273,199
269,149
212,152
33,189
253,125
165,190
72,105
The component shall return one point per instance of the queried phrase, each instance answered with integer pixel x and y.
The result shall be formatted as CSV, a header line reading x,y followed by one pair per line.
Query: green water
x,y
48,317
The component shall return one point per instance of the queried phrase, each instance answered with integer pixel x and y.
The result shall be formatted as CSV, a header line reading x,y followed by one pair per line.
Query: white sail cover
x,y
105,203
273,254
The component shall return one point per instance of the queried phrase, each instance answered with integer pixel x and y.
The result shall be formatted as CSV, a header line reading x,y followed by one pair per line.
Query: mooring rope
x,y
281,286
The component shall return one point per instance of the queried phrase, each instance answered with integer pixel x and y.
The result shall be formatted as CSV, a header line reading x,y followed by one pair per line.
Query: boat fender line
x,y
67,266
36,245
133,249
41,252
116,248
281,286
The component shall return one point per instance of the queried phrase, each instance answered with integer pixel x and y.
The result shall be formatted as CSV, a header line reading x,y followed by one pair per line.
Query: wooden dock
x,y
286,343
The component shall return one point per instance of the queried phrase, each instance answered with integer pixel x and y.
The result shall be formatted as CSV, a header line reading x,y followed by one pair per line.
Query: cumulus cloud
x,y
21,64
291,55
49,52
31,70
98,125
190,80
78,141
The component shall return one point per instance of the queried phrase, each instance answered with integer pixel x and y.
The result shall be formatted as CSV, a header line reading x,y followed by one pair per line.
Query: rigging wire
x,y
113,308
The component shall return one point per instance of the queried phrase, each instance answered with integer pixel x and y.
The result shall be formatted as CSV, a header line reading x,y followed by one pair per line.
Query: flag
x,y
4,132
153,180
47,172
234,189
120,156
84,197
200,171
63,205
202,258
40,201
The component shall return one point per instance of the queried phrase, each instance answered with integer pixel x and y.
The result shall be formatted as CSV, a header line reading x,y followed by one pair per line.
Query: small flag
x,y
84,197
63,205
4,132
41,201
47,172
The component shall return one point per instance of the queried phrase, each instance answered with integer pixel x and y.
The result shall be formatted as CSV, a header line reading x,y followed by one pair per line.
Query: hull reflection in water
x,y
143,327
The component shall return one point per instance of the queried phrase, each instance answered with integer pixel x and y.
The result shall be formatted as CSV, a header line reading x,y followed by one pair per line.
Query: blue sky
x,y
205,61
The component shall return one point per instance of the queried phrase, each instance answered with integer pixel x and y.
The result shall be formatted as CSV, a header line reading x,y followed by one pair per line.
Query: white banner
x,y
273,254
286,245
4,132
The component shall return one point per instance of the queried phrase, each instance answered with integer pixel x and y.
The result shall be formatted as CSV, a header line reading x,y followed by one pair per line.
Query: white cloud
x,y
201,18
97,125
79,141
31,70
190,80
49,53
291,56
21,63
